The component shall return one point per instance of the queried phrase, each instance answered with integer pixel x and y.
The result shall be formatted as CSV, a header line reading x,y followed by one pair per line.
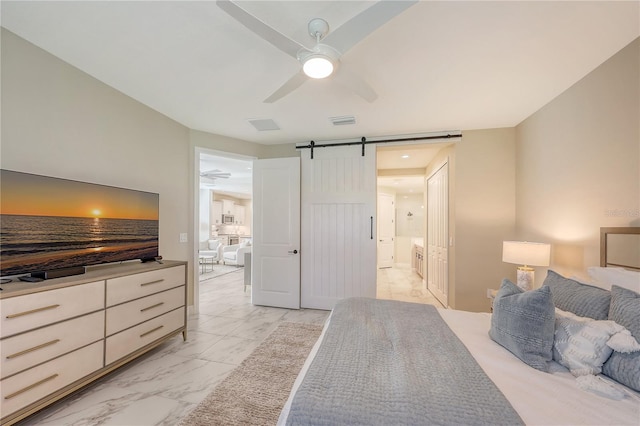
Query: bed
x,y
377,363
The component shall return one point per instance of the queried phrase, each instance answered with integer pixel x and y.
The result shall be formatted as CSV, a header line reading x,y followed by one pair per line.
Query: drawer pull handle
x,y
35,348
23,390
151,331
151,307
33,311
151,282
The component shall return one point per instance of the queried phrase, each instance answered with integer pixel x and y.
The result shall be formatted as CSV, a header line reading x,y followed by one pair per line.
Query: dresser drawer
x,y
22,313
124,289
29,386
35,347
129,314
122,344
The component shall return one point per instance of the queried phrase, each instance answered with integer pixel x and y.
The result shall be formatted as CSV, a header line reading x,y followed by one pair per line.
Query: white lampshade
x,y
526,253
317,66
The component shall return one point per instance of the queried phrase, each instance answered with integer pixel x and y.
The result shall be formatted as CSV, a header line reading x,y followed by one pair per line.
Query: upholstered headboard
x,y
620,247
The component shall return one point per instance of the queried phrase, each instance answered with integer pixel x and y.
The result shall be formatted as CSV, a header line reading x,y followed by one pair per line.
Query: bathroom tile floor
x,y
162,386
401,283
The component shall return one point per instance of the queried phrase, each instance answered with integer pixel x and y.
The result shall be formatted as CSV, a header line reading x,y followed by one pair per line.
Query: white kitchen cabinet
x,y
239,215
216,213
228,207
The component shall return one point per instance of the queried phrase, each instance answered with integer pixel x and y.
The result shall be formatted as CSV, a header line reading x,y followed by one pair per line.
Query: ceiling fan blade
x,y
357,28
355,83
292,84
279,40
215,174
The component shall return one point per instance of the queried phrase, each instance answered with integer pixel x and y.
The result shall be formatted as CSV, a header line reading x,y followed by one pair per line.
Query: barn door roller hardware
x,y
363,141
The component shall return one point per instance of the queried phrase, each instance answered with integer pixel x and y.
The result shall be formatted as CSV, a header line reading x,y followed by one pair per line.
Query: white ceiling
x,y
437,66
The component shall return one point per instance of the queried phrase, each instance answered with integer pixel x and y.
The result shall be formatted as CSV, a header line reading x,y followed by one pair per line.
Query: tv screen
x,y
50,224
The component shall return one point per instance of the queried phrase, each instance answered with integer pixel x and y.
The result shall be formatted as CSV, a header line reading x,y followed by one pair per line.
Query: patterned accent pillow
x,y
625,310
523,323
577,298
580,343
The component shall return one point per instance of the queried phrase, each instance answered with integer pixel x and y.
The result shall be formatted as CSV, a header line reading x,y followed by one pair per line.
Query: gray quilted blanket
x,y
395,363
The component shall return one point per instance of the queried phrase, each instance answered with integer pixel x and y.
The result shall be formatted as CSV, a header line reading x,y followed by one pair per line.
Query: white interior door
x,y
275,263
338,229
386,230
438,234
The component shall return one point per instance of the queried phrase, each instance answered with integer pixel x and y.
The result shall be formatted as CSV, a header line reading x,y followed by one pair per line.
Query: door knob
x,y
293,251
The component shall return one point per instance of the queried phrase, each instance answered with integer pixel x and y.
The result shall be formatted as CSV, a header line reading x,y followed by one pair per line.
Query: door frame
x,y
195,216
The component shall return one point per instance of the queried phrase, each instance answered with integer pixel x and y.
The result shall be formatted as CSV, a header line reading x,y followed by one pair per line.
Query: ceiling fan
x,y
323,59
215,174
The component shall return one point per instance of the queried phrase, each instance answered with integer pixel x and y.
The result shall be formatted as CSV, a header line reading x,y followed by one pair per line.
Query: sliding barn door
x,y
438,234
338,194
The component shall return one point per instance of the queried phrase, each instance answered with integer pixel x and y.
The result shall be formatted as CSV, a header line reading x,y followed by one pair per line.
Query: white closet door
x,y
438,234
338,225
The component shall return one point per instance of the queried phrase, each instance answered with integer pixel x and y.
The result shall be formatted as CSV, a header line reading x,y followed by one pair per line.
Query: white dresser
x,y
59,335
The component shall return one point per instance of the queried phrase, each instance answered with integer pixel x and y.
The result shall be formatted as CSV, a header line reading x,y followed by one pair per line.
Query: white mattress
x,y
539,398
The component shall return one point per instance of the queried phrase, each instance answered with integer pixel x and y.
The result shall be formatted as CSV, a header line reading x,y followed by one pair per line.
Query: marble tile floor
x,y
401,283
161,387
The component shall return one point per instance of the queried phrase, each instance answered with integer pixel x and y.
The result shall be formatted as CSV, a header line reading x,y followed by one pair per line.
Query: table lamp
x,y
527,254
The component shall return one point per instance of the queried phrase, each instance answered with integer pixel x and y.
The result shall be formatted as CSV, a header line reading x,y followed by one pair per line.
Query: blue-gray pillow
x,y
625,310
577,298
524,323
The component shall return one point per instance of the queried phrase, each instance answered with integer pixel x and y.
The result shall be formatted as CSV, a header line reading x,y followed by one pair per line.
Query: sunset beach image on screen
x,y
50,223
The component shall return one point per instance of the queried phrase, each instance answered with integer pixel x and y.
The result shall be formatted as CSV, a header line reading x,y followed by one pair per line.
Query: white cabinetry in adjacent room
x,y
228,207
239,217
61,334
216,213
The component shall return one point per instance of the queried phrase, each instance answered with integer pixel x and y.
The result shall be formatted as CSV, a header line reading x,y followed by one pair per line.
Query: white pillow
x,y
213,244
606,277
580,343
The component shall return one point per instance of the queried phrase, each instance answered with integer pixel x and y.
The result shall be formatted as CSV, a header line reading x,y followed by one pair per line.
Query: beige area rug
x,y
219,270
255,391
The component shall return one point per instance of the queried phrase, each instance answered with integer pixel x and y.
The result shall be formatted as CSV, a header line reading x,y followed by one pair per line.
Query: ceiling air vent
x,y
343,120
262,125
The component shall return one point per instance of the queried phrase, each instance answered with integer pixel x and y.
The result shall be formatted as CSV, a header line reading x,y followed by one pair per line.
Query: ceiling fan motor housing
x,y
318,28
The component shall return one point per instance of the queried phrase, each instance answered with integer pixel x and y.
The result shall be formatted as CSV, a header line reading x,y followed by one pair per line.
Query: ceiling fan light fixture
x,y
317,66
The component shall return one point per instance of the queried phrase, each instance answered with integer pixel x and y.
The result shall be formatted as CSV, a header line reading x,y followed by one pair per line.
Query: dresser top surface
x,y
94,273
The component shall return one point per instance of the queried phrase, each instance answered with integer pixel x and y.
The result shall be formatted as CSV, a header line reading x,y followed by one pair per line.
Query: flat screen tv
x,y
50,224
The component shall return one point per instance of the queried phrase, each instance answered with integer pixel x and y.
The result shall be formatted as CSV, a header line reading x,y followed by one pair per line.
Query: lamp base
x,y
525,278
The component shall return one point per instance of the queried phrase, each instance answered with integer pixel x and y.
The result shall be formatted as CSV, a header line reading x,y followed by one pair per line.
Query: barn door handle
x,y
371,224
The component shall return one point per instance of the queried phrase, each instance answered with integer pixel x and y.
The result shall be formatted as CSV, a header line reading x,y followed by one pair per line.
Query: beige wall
x,y
484,215
577,163
205,140
59,121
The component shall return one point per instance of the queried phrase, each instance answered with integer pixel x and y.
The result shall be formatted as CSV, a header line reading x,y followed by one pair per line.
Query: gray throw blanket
x,y
395,363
